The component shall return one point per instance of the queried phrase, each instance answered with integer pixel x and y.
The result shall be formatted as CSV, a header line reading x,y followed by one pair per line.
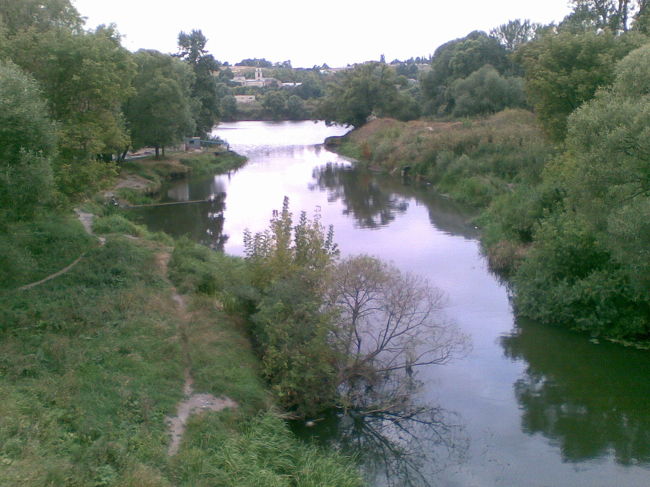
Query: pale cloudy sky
x,y
336,32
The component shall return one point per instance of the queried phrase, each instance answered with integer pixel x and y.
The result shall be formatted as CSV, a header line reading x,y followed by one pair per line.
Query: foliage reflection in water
x,y
408,446
531,405
589,410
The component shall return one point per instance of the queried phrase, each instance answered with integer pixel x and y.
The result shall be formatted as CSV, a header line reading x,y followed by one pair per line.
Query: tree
x,y
562,71
288,264
191,49
228,107
85,78
359,92
275,104
486,91
295,108
589,264
386,325
515,33
614,15
40,15
159,113
458,59
606,172
27,144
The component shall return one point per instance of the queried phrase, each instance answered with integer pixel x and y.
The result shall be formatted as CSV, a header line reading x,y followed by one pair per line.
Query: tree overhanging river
x,y
529,405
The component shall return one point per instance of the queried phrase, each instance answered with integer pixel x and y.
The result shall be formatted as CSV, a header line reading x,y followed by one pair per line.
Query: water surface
x,y
528,406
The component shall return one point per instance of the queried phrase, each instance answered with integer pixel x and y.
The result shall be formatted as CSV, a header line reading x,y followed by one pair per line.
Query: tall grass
x,y
92,362
473,161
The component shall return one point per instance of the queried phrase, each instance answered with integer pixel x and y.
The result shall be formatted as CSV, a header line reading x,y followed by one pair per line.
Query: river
x,y
527,406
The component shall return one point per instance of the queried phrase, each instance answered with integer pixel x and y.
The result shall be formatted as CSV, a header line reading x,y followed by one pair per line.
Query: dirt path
x,y
193,403
86,220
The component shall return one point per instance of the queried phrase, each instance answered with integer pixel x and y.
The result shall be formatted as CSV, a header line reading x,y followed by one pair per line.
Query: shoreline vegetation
x,y
502,165
549,140
142,179
95,360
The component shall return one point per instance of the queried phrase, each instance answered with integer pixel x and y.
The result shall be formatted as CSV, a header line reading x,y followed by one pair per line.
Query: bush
x,y
569,279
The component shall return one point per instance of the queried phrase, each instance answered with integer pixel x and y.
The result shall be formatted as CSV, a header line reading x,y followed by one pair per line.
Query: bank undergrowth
x,y
563,224
91,364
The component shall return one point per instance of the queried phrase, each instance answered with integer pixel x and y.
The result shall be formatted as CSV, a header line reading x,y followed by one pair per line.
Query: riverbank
x,y
473,162
140,180
96,364
562,274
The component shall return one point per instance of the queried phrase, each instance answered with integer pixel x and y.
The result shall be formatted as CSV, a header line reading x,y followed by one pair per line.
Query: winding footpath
x,y
193,403
86,220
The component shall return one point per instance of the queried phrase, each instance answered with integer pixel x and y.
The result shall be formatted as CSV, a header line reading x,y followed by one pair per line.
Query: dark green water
x,y
528,406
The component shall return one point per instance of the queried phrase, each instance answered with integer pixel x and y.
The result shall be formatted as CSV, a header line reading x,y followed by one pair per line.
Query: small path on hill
x,y
193,403
86,220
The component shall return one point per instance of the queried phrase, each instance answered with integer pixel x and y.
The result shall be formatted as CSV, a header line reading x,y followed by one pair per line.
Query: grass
x,y
473,161
148,174
92,362
32,250
213,163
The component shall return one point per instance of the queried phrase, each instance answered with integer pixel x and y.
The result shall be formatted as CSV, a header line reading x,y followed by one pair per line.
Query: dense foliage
x,y
329,331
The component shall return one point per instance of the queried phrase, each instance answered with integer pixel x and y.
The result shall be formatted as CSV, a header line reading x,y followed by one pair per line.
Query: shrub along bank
x,y
92,362
472,160
564,223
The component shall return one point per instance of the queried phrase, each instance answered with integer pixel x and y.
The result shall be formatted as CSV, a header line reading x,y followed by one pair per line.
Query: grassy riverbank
x,y
140,179
94,361
472,161
565,270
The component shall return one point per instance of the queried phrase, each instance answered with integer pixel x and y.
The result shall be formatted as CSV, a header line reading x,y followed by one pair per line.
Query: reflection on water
x,y
360,194
202,222
375,200
405,447
591,400
531,407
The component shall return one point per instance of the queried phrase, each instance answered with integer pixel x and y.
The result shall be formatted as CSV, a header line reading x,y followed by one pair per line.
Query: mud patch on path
x,y
194,403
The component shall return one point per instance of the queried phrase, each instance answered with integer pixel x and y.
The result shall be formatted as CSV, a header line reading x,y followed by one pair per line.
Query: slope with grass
x,y
472,161
93,362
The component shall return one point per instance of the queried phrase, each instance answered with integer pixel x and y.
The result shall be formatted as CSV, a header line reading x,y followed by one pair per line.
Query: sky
x,y
308,33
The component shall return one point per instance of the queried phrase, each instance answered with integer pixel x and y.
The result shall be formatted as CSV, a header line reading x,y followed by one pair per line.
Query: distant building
x,y
245,99
259,81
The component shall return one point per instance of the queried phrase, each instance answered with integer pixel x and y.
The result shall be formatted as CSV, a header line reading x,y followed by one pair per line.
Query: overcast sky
x,y
336,32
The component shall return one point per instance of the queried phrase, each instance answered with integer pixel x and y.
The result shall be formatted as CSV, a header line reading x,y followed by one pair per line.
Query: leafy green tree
x,y
590,263
40,15
296,108
288,264
275,104
159,113
85,78
563,71
228,107
458,59
191,49
27,144
486,91
359,92
614,15
515,33
255,62
311,87
606,172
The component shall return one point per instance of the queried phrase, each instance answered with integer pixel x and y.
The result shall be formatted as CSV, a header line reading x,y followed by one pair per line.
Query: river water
x,y
527,406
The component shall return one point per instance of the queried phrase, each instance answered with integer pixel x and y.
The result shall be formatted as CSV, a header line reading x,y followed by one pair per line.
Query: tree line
x,y
92,100
570,228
